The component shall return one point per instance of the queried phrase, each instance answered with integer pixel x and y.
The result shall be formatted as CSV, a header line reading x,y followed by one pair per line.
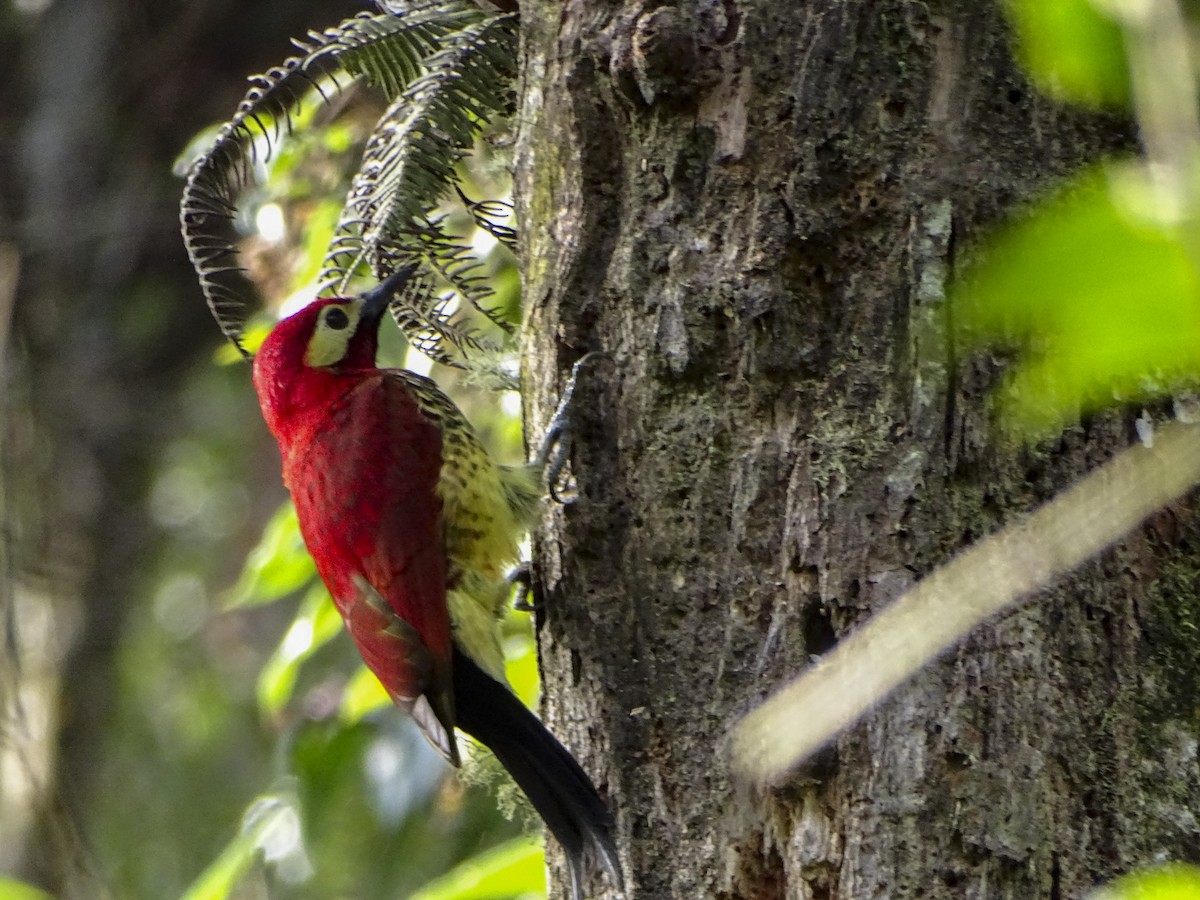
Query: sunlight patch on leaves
x,y
521,666
363,696
317,622
1170,882
515,869
11,889
278,566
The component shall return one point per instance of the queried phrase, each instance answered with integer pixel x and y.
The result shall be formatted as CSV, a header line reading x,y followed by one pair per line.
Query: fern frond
x,y
386,49
493,216
410,165
389,50
434,309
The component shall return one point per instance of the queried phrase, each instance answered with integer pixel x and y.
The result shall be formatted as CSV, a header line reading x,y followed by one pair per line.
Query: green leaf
x,y
278,566
316,623
222,875
270,827
1170,882
317,234
1071,50
1103,303
363,696
516,868
520,666
11,889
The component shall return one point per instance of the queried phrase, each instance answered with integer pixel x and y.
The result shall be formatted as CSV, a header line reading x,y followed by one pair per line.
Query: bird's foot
x,y
521,579
555,451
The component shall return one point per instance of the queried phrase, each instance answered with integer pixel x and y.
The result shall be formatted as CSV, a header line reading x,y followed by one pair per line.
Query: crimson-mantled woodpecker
x,y
412,526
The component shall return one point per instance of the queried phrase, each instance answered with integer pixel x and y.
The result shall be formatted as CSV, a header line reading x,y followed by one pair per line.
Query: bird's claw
x,y
555,451
521,578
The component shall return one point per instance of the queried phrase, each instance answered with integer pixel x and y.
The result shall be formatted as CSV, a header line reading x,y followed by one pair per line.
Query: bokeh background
x,y
179,713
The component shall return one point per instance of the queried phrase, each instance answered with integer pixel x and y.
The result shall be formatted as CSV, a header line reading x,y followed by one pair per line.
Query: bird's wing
x,y
366,490
394,651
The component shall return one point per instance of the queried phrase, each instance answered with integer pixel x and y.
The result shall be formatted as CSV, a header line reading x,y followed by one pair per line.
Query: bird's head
x,y
330,336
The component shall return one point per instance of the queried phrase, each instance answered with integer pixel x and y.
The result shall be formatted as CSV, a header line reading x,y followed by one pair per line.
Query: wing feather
x,y
365,483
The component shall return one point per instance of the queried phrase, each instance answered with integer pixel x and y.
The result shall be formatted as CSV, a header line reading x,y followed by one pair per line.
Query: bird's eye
x,y
336,318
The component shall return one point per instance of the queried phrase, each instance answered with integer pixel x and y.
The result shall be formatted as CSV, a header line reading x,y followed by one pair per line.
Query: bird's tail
x,y
557,787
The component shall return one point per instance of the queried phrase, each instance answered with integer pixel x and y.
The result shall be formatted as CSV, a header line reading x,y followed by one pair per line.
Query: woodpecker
x,y
413,527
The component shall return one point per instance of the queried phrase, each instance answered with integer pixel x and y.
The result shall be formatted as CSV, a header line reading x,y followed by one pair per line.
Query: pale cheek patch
x,y
328,345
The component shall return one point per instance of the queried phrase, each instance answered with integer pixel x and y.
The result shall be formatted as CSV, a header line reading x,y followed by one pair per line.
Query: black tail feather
x,y
557,787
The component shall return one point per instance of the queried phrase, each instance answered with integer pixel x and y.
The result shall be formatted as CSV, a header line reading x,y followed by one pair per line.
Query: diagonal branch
x,y
980,583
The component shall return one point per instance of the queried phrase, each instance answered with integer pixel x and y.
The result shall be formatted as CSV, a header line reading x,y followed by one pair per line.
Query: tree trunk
x,y
754,208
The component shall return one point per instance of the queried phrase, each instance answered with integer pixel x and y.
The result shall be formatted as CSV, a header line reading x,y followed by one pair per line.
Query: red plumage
x,y
362,463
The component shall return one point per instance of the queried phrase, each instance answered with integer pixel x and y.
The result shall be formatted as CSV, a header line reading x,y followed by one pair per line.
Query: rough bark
x,y
753,207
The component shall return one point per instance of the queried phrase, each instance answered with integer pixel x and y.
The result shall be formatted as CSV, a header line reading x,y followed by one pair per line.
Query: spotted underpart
x,y
486,508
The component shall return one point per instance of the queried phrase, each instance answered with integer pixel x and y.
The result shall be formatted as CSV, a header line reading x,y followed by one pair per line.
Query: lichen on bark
x,y
753,208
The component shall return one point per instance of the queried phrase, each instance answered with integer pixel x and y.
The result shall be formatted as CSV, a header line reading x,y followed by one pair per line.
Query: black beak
x,y
375,302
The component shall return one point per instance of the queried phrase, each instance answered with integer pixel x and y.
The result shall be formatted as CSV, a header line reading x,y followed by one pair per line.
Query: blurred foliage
x,y
184,747
256,757
361,806
15,890
1171,882
516,868
249,752
1095,288
1103,301
1071,50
